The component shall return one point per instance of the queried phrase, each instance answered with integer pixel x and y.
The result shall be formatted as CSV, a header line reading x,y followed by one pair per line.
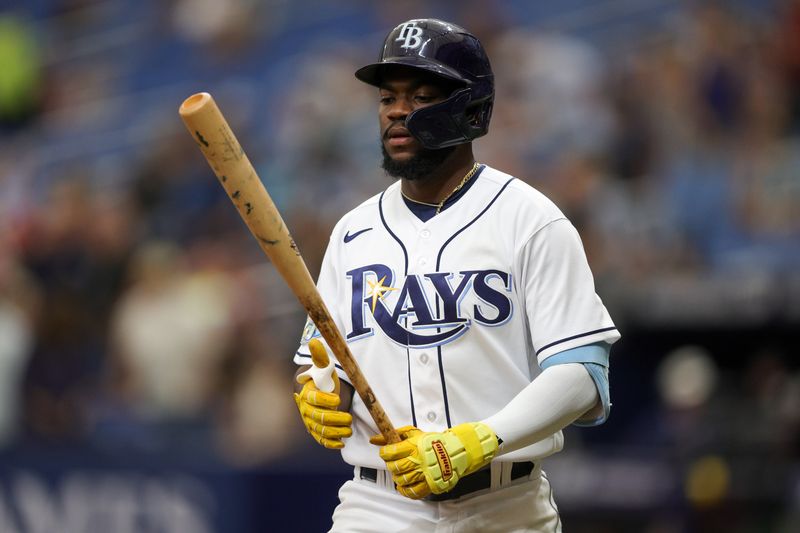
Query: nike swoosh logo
x,y
348,237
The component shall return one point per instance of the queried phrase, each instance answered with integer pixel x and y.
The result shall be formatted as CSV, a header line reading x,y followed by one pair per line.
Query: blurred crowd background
x,y
146,342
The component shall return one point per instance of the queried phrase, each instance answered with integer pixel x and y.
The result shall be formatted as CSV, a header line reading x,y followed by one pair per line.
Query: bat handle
x,y
391,435
384,425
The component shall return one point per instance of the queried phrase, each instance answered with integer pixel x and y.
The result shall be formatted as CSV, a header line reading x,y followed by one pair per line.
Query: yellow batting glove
x,y
319,399
434,462
402,460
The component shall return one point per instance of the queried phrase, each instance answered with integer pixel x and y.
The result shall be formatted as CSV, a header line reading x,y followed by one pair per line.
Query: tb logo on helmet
x,y
410,33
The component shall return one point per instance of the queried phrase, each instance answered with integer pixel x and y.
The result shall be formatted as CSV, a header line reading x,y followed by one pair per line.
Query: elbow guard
x,y
595,358
599,375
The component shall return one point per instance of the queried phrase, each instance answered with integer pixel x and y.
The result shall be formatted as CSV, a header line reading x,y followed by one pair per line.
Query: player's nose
x,y
399,109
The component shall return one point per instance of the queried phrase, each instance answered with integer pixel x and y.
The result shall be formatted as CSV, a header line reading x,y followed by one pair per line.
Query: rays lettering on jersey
x,y
413,316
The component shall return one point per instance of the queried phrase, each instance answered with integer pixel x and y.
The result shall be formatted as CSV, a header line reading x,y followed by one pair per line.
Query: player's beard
x,y
421,164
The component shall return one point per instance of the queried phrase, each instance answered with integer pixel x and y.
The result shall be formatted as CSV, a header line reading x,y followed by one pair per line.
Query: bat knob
x,y
194,103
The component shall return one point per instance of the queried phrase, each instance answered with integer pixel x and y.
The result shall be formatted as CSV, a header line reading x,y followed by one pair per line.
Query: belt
x,y
480,480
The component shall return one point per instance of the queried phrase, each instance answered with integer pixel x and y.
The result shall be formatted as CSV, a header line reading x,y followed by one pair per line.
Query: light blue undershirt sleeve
x,y
595,358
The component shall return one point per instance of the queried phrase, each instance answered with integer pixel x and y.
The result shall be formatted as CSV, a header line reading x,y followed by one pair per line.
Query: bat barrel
x,y
237,176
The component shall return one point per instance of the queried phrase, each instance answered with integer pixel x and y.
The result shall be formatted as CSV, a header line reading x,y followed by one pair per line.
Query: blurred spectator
x,y
175,198
21,67
19,305
552,84
687,379
773,403
79,282
256,416
326,153
171,331
718,40
787,28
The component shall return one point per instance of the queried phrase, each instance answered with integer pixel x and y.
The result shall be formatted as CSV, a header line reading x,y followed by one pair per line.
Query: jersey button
x,y
431,416
423,359
425,233
422,262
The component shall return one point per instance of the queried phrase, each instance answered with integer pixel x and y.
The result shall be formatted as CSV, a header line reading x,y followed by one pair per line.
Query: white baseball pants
x,y
523,505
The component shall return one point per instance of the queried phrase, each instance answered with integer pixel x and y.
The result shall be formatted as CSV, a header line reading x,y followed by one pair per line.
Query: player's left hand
x,y
426,462
319,400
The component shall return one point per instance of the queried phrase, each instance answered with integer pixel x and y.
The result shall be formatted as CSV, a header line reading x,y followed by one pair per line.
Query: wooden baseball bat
x,y
239,179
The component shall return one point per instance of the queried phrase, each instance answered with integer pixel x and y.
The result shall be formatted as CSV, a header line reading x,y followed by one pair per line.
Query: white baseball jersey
x,y
449,318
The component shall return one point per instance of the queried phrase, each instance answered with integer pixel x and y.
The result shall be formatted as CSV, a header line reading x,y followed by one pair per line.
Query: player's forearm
x,y
555,399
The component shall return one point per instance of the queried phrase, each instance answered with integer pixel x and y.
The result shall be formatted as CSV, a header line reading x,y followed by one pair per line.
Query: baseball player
x,y
466,298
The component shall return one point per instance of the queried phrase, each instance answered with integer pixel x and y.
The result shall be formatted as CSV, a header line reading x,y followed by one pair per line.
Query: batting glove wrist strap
x,y
459,451
424,463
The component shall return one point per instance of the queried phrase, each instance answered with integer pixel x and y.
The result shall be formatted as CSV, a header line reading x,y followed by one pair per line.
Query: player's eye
x,y
386,99
424,98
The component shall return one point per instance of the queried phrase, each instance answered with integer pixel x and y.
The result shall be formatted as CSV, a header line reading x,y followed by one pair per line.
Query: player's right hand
x,y
318,408
422,462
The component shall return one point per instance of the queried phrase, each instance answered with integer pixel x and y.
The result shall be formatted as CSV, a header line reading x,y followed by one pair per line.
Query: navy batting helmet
x,y
452,53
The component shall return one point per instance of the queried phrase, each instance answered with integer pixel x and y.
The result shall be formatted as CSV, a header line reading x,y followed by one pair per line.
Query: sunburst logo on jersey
x,y
377,291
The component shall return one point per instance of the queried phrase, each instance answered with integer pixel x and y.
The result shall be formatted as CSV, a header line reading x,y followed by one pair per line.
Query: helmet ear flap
x,y
443,124
480,116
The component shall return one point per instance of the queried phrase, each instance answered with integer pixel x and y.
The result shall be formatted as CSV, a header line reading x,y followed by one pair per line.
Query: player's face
x,y
402,91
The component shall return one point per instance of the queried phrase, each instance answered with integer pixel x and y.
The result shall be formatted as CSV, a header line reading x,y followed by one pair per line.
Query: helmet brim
x,y
373,74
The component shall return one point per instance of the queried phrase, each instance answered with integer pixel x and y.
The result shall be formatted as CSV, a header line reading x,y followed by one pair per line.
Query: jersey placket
x,y
424,373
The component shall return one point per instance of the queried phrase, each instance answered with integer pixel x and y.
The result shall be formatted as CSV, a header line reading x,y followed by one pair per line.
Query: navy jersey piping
x,y
552,502
471,222
601,330
410,388
444,387
438,265
405,273
306,356
395,237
